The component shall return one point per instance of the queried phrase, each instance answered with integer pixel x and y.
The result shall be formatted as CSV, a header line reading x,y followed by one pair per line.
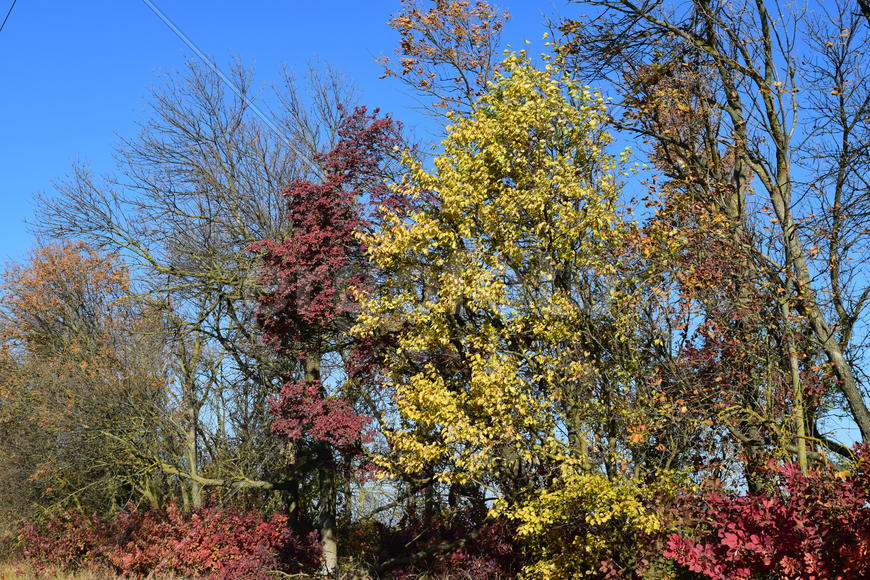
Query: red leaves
x,y
218,542
361,158
310,274
818,526
302,408
213,542
65,541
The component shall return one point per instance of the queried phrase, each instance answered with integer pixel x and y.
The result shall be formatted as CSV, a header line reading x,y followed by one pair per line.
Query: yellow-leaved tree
x,y
505,298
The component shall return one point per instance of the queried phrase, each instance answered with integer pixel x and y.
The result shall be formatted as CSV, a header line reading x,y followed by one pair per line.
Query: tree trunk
x,y
328,492
809,307
797,391
326,483
193,460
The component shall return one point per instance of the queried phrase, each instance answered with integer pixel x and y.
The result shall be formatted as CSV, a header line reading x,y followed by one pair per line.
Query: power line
x,y
2,26
214,67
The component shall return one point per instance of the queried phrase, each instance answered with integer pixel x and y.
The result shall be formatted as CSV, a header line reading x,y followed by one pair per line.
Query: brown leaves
x,y
447,50
60,295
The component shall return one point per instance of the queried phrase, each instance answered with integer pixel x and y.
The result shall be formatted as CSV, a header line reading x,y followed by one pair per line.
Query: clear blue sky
x,y
77,74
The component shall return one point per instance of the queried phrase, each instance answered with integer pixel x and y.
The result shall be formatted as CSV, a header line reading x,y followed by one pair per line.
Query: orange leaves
x,y
61,292
637,433
446,50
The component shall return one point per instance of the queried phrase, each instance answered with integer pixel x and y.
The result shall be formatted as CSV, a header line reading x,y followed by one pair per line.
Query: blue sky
x,y
76,75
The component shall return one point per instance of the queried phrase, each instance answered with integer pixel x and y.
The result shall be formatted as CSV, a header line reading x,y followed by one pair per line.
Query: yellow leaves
x,y
595,508
493,288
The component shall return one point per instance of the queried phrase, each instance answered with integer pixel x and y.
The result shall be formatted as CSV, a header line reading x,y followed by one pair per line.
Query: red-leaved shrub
x,y
67,541
217,542
816,526
213,542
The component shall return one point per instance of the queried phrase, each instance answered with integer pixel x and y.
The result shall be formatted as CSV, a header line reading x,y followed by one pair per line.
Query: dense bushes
x,y
67,541
213,542
450,544
222,542
812,526
804,525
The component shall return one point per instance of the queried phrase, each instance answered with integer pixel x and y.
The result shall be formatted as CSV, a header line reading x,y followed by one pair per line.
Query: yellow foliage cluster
x,y
597,510
495,287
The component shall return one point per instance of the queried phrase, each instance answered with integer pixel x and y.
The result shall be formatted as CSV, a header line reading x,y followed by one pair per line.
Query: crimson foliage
x,y
301,409
815,526
213,542
312,274
67,541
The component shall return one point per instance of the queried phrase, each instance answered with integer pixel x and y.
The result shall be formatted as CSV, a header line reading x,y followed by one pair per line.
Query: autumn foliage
x,y
813,525
512,354
213,542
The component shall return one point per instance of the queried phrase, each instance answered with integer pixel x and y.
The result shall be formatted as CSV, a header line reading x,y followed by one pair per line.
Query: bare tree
x,y
200,183
773,107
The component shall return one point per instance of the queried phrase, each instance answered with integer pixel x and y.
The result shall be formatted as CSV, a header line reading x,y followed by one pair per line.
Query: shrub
x,y
454,543
66,541
214,542
815,525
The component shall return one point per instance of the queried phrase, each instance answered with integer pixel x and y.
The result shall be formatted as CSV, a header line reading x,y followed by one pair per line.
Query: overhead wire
x,y
239,93
2,26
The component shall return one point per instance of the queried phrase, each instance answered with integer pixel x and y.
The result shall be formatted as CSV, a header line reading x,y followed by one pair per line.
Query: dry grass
x,y
23,571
